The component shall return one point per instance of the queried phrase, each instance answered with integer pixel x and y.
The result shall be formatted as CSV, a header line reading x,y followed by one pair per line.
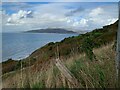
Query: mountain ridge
x,y
51,30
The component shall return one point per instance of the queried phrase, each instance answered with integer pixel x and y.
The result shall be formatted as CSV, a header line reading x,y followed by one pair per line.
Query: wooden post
x,y
70,77
118,49
21,74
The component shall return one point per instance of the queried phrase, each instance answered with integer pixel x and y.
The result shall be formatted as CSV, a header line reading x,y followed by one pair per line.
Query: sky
x,y
75,16
60,0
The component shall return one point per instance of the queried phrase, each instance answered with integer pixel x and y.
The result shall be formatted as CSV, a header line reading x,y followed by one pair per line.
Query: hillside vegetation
x,y
96,74
90,57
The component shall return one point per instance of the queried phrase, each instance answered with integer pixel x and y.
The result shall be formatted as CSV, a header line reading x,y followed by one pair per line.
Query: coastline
x,y
18,56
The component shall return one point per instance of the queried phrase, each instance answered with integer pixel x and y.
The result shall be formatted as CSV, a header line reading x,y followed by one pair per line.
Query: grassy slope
x,y
100,73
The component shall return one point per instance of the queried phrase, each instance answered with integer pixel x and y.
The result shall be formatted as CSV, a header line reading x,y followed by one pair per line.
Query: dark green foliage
x,y
101,76
76,67
8,66
56,71
39,85
19,64
51,43
87,47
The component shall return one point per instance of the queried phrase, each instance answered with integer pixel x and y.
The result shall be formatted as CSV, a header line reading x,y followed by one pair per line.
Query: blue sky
x,y
9,5
75,16
60,0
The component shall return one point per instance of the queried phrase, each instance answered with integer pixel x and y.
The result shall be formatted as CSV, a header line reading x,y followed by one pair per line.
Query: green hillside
x,y
66,48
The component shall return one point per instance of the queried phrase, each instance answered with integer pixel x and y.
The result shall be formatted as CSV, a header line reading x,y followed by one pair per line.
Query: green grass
x,y
39,85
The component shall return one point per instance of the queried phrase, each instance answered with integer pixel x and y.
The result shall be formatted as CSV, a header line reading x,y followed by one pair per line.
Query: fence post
x,y
67,73
118,49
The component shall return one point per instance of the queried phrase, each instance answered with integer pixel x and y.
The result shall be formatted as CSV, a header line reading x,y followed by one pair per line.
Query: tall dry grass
x,y
99,73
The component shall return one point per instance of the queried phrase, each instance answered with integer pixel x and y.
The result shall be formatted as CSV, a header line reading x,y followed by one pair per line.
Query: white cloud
x,y
55,15
111,21
17,18
96,11
81,23
104,16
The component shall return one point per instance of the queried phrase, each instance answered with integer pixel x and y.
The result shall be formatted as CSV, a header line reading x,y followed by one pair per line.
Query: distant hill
x,y
50,30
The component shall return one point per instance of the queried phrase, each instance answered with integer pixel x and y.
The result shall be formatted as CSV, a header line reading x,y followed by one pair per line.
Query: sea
x,y
20,45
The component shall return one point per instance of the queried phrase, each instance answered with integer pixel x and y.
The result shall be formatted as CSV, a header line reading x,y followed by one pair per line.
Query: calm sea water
x,y
21,45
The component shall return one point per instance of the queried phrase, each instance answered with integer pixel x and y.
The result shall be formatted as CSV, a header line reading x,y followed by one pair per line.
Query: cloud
x,y
17,18
15,6
83,23
100,16
96,12
75,11
70,16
